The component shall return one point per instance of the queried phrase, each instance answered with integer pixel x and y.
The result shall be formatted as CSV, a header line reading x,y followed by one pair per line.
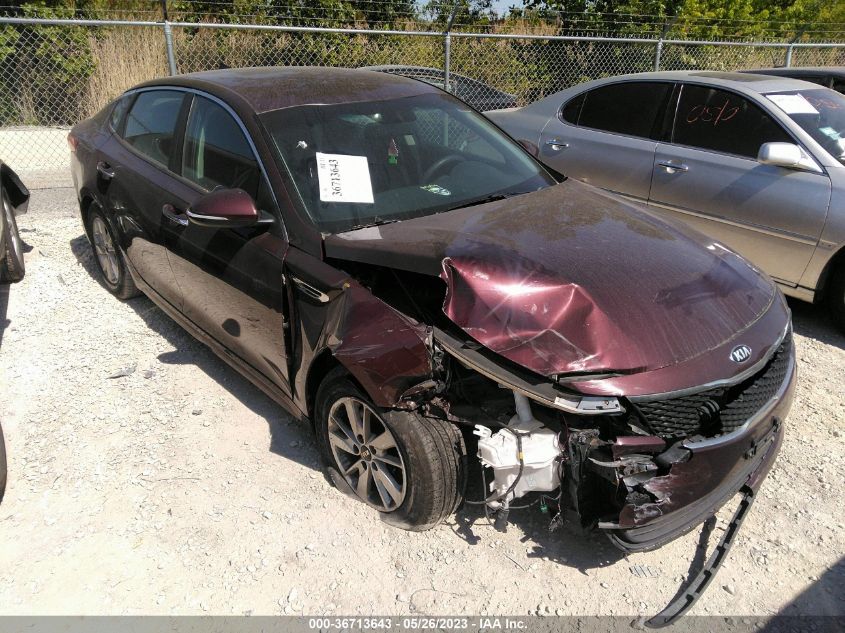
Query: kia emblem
x,y
740,353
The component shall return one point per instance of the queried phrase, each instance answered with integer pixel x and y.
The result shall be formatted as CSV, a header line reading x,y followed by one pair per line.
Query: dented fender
x,y
384,350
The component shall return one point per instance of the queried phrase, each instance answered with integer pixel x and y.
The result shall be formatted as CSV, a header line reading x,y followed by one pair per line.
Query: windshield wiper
x,y
374,222
491,198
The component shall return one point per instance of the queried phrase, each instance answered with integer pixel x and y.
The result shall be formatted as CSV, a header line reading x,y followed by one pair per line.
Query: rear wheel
x,y
109,258
408,467
12,266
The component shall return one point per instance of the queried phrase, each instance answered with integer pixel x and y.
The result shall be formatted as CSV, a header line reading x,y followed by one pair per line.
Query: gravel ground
x,y
181,489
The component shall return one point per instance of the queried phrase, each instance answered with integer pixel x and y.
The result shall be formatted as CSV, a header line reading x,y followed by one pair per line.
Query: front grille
x,y
721,410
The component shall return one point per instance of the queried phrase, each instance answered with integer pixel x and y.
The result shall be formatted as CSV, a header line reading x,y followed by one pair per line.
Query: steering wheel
x,y
438,166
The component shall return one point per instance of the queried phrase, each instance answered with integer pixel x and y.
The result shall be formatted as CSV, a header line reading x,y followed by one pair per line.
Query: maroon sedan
x,y
386,263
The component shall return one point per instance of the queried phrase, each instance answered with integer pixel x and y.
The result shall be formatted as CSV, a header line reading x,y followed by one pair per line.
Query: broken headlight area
x,y
615,463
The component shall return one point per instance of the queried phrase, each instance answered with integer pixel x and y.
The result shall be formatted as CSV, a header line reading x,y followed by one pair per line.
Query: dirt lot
x,y
181,488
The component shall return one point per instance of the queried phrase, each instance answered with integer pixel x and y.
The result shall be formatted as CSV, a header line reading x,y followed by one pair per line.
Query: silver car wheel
x,y
367,454
105,251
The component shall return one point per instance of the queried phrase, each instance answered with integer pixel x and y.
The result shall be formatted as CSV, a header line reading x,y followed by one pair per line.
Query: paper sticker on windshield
x,y
344,178
793,104
436,189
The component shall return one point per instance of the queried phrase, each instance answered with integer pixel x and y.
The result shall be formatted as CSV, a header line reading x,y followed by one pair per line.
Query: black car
x,y
828,76
475,93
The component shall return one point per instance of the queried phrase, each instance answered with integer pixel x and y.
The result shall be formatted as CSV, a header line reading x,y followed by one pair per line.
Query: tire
x,y
836,297
12,266
2,465
108,257
424,458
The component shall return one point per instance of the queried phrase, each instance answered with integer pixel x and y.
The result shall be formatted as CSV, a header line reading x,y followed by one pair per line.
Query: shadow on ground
x,y
189,351
813,321
819,608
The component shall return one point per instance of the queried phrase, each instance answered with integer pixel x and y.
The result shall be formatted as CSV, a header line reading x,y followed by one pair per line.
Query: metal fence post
x,y
447,58
657,54
447,46
168,42
788,61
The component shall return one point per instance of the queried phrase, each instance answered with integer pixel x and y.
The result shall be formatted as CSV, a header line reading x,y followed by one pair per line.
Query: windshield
x,y
359,164
820,112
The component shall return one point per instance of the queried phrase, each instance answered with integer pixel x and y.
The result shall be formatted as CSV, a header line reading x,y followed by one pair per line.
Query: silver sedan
x,y
756,162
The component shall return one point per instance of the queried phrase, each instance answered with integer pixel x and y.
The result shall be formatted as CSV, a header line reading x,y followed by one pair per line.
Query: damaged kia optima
x,y
386,263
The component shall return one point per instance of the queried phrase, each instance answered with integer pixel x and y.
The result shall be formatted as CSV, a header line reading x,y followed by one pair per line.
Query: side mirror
x,y
230,208
530,147
781,154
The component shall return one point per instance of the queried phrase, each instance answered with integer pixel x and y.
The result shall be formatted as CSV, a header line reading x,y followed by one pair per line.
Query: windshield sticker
x,y
793,104
436,189
344,178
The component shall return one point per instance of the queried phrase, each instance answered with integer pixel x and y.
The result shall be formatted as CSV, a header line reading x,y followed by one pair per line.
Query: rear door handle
x,y
671,167
105,170
557,144
170,212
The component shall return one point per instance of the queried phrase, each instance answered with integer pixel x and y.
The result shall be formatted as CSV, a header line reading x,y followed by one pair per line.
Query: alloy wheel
x,y
105,250
367,454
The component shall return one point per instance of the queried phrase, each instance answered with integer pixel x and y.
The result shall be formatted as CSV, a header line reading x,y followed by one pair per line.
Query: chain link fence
x,y
54,73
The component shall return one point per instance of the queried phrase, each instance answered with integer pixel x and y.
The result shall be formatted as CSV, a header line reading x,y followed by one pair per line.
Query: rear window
x,y
629,108
151,124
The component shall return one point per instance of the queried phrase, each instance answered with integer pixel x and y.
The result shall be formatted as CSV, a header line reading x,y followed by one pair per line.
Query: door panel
x,y
134,195
134,180
231,278
618,163
771,215
605,137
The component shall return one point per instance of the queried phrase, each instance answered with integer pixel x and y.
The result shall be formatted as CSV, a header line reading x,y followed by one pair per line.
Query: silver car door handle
x,y
671,167
557,145
105,170
170,212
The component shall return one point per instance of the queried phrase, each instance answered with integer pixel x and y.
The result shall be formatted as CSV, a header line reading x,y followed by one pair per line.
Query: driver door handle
x,y
105,170
671,167
557,144
170,212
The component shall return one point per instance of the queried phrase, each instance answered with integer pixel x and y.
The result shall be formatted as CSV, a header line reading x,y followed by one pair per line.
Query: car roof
x,y
274,87
745,82
801,70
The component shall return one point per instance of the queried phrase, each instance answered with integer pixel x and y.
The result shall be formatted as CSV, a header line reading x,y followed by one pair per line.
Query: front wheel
x,y
408,467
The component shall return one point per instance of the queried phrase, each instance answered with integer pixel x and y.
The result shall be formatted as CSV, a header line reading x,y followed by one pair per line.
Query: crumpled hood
x,y
572,279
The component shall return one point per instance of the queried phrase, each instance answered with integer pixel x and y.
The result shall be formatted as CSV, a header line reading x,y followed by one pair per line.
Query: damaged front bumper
x,y
646,489
714,471
694,490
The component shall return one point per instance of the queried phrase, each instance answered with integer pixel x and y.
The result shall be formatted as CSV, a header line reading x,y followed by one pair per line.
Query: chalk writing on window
x,y
712,114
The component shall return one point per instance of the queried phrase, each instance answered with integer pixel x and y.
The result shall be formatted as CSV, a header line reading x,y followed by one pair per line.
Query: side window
x,y
572,109
119,111
838,85
722,121
151,123
629,108
216,152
